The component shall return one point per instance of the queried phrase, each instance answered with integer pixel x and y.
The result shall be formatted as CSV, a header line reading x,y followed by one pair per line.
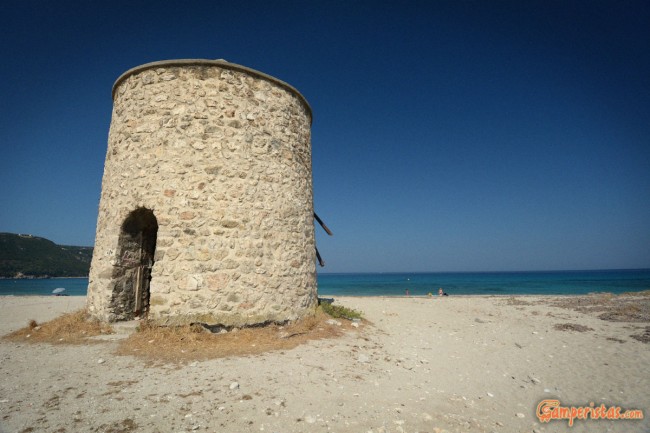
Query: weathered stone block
x,y
218,282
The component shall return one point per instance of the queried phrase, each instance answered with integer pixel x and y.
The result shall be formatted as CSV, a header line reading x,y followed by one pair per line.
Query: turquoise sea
x,y
486,283
395,284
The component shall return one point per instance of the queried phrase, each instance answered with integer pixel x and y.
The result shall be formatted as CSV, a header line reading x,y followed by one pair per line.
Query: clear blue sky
x,y
447,136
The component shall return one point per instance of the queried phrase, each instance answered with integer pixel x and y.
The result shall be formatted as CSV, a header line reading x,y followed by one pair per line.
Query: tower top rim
x,y
206,62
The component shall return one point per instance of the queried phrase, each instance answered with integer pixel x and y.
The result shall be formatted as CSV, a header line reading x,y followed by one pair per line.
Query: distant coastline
x,y
31,257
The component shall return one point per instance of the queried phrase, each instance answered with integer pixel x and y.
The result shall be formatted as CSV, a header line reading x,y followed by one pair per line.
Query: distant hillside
x,y
25,256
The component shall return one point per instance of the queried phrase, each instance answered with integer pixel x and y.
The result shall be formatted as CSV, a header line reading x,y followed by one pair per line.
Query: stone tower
x,y
206,210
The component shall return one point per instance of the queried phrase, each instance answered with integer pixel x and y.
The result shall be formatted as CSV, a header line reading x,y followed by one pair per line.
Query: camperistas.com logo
x,y
548,410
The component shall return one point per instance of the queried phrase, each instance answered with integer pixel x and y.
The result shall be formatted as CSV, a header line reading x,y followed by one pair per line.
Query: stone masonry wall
x,y
222,156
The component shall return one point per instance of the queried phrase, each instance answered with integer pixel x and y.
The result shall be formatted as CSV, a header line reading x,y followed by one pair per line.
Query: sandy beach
x,y
456,364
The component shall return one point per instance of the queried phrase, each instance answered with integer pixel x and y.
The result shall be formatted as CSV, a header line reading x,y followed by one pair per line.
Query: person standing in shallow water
x,y
408,293
441,293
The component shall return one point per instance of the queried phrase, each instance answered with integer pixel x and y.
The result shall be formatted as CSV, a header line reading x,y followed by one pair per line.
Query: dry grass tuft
x,y
125,426
641,294
627,307
572,327
643,338
517,302
182,344
628,312
71,328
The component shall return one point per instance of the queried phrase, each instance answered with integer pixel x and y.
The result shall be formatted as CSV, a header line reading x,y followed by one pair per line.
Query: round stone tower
x,y
206,210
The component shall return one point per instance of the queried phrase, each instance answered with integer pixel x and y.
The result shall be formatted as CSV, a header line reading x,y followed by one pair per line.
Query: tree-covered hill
x,y
31,256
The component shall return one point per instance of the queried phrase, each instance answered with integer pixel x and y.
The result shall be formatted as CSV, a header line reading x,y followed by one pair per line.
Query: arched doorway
x,y
132,272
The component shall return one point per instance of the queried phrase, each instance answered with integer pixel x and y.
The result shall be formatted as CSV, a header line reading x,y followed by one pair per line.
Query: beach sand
x,y
457,364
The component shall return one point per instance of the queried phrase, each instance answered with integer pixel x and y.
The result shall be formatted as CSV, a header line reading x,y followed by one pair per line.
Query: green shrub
x,y
340,312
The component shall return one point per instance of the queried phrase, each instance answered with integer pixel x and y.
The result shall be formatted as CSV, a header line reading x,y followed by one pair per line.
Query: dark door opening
x,y
132,272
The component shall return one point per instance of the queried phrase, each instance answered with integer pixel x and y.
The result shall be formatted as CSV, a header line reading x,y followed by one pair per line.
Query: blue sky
x,y
447,136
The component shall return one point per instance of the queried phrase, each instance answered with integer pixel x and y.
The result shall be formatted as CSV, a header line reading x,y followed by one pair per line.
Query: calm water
x,y
72,286
489,283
